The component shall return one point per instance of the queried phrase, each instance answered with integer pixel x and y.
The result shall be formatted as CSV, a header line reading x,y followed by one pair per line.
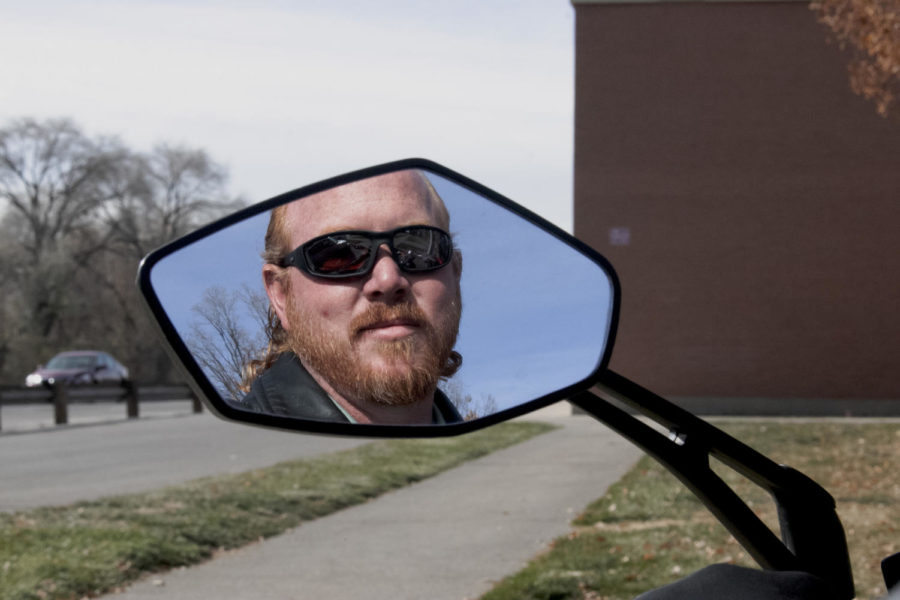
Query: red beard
x,y
413,364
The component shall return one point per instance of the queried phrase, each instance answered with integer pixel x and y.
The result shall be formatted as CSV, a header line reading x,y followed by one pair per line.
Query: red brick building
x,y
748,200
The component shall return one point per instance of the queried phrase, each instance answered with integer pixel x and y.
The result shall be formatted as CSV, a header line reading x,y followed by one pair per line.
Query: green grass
x,y
93,547
648,530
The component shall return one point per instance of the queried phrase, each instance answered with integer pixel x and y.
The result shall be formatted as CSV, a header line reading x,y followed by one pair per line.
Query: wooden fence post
x,y
60,403
131,399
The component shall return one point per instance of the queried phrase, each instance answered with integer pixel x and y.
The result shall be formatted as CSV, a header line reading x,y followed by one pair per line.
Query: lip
x,y
390,329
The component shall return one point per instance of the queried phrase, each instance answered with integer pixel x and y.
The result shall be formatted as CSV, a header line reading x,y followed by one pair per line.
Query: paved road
x,y
70,463
20,418
448,537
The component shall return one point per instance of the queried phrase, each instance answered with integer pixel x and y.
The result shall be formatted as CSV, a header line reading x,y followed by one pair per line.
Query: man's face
x,y
383,336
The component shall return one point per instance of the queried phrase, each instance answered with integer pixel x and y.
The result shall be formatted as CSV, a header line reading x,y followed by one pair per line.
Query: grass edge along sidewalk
x,y
649,530
94,547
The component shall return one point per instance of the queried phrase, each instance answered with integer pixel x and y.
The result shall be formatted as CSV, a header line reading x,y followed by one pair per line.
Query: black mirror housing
x,y
539,308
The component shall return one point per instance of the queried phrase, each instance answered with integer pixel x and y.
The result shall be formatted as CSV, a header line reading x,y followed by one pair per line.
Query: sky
x,y
285,93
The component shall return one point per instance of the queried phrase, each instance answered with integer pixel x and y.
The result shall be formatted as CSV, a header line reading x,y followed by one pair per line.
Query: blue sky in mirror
x,y
535,312
228,260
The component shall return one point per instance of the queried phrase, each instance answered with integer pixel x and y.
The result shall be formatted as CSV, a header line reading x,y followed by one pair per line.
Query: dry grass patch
x,y
648,530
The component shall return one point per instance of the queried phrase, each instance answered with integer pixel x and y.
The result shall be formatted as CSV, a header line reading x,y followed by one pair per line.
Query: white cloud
x,y
284,93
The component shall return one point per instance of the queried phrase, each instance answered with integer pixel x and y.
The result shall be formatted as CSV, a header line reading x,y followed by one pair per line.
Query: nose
x,y
386,282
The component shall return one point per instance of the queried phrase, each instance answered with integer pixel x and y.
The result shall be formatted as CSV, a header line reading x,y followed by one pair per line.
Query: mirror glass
x,y
536,313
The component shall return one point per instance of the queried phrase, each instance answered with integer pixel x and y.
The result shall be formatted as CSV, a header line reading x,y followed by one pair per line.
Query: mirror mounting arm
x,y
812,537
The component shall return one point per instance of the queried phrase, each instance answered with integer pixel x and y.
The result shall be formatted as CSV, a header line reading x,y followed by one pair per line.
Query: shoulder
x,y
287,389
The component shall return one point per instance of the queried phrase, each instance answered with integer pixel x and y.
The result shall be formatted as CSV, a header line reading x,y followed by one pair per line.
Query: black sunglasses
x,y
415,249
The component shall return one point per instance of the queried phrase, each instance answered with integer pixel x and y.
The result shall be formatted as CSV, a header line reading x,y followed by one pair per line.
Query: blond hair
x,y
277,245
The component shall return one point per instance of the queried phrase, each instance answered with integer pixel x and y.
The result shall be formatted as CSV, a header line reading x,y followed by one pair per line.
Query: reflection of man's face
x,y
383,337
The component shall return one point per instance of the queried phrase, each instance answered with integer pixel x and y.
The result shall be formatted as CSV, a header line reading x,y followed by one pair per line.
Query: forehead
x,y
376,204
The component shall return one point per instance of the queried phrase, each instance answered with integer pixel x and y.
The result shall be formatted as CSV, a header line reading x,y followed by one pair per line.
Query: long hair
x,y
277,245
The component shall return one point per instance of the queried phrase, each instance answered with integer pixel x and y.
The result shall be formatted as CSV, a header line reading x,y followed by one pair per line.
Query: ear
x,y
274,281
457,264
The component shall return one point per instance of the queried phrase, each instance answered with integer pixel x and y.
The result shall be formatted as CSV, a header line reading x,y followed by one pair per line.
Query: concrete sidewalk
x,y
448,537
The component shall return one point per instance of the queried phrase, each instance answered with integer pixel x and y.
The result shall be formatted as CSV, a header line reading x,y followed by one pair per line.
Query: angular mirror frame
x,y
217,405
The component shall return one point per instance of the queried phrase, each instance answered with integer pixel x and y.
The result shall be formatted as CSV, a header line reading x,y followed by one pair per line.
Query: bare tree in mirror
x,y
227,333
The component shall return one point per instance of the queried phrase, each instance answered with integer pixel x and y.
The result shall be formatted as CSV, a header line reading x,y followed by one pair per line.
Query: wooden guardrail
x,y
61,395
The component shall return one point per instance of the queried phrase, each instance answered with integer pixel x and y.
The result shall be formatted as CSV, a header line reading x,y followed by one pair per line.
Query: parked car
x,y
78,367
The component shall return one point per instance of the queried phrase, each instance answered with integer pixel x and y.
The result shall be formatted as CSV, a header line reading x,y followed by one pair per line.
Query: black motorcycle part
x,y
890,568
812,537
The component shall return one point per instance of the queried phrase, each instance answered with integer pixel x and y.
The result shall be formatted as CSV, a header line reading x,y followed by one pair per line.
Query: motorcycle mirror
x,y
299,346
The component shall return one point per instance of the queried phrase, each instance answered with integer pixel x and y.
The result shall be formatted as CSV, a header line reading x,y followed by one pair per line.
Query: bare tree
x,y
467,406
9,293
76,215
257,304
870,30
221,341
55,178
164,194
170,191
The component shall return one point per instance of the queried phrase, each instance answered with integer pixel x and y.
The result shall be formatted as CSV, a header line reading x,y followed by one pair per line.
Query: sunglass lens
x,y
338,255
421,249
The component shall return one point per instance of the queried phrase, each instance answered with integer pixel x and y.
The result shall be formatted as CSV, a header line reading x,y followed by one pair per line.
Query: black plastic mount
x,y
812,537
890,568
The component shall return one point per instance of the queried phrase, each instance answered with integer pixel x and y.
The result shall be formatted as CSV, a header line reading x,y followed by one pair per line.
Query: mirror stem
x,y
812,539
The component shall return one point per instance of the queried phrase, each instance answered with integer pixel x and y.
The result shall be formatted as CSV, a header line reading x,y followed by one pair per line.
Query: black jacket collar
x,y
287,389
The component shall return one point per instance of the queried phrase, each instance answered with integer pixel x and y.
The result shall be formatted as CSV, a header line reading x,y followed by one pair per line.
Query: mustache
x,y
382,313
